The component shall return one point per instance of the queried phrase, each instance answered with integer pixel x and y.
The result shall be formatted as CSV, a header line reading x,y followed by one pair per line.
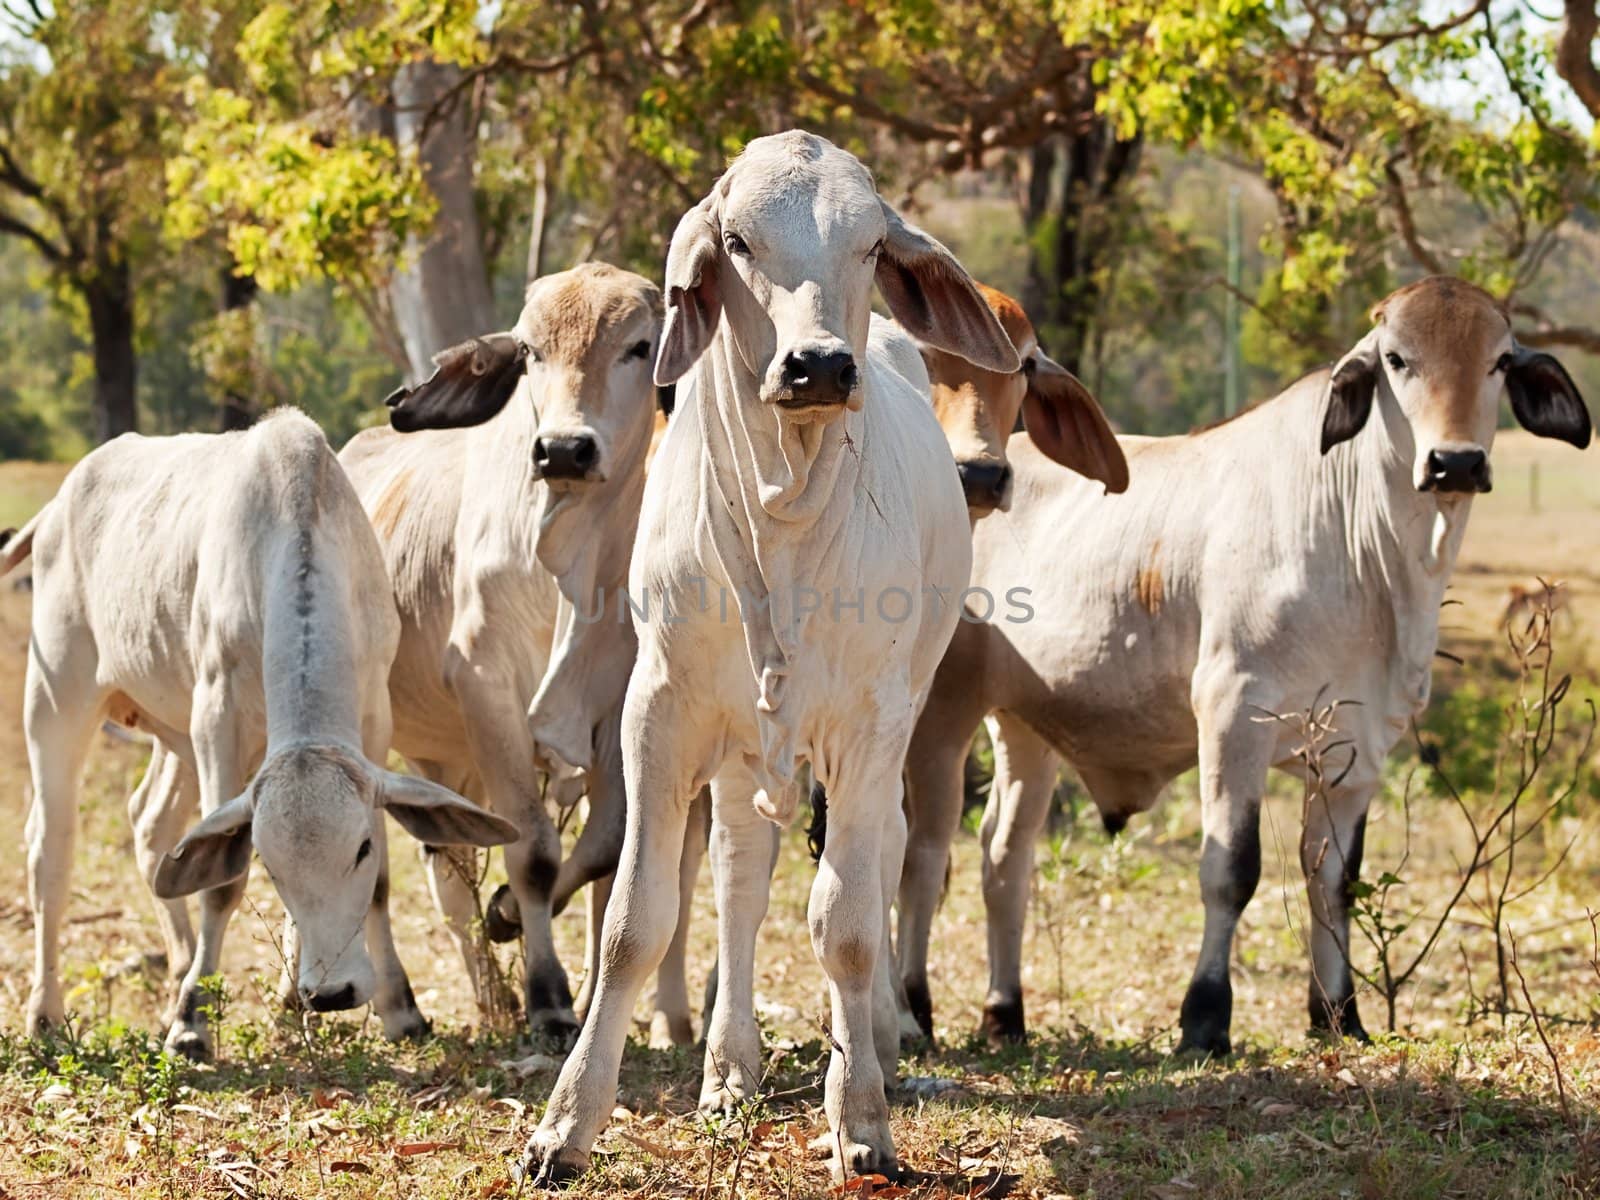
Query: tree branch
x,y
18,228
1574,62
1406,222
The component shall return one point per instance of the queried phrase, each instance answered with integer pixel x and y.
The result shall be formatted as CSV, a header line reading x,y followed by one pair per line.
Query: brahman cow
x,y
508,547
978,409
796,547
225,593
1301,549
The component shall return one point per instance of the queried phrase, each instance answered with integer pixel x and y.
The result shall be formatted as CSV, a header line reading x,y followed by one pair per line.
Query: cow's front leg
x,y
662,751
504,754
1235,748
1330,854
220,759
846,915
159,808
934,793
392,997
1024,780
740,851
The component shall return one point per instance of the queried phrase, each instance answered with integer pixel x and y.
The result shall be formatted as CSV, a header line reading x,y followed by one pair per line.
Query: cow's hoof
x,y
556,1025
920,1002
190,1044
1003,1023
408,1027
548,1164
1333,1021
1199,1046
502,919
669,1031
727,1095
862,1159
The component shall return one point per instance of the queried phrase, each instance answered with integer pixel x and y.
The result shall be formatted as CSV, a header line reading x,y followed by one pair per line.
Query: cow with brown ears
x,y
1301,549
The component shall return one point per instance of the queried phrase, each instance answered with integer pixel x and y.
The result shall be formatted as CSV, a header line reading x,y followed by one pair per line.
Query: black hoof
x,y
502,920
1198,1047
1003,1023
190,1045
1329,1020
921,1006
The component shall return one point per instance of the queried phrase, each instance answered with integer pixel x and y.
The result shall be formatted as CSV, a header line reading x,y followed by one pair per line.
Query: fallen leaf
x,y
1347,1077
345,1167
412,1149
649,1147
330,1097
1280,1109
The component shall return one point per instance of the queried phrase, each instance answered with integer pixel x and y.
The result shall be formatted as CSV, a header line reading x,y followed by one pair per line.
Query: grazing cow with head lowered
x,y
226,594
802,475
1300,549
508,545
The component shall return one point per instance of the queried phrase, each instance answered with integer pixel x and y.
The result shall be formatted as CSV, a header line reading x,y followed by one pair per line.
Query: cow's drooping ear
x,y
214,852
436,816
1350,389
933,297
470,383
1544,398
694,296
1066,422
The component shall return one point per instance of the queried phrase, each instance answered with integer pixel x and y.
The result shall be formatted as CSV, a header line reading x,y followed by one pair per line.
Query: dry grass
x,y
1092,1107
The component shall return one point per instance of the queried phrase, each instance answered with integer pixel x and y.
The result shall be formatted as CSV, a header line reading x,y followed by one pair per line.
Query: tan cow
x,y
1299,550
508,546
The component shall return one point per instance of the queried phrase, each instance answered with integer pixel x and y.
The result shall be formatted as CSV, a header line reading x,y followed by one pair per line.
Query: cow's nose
x,y
565,456
1457,471
820,376
334,999
984,483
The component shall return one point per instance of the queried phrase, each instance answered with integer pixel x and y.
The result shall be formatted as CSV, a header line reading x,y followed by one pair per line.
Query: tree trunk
x,y
1073,232
235,410
108,295
443,297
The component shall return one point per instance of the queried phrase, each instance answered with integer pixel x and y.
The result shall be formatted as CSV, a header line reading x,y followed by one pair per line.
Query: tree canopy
x,y
411,163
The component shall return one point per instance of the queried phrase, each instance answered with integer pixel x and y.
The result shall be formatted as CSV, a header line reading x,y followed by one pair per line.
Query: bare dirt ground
x,y
1092,1106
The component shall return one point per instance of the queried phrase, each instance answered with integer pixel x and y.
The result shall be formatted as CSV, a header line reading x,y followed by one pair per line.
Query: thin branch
x,y
1574,62
19,228
1406,221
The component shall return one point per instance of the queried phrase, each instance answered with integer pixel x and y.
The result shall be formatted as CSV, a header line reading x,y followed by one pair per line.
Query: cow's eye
x,y
734,244
533,355
640,349
1030,366
1501,364
877,249
361,854
1395,361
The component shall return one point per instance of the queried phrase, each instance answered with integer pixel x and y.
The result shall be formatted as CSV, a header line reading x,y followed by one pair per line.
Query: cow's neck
x,y
780,495
1401,543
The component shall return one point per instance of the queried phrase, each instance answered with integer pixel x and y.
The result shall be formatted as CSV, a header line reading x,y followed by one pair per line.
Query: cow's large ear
x,y
934,298
1066,422
1350,389
470,383
214,852
436,816
694,296
1544,398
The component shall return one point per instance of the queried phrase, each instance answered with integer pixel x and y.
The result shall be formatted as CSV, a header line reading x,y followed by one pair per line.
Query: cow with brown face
x,y
978,409
1298,551
506,514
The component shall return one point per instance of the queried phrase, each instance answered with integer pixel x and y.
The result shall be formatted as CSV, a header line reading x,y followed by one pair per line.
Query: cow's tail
x,y
17,544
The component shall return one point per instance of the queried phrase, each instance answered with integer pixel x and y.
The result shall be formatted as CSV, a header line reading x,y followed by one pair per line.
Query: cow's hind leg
x,y
159,809
1235,748
1330,854
662,753
1019,802
740,851
670,1020
504,754
61,709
